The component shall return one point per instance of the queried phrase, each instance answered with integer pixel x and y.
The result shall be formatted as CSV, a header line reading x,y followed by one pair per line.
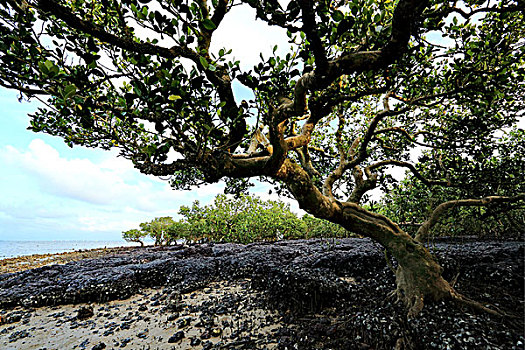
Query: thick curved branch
x,y
306,162
279,147
350,215
220,11
73,21
206,33
443,207
309,28
362,185
320,108
406,14
357,154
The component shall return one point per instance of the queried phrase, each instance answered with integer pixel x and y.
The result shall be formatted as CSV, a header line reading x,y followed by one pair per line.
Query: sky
x,y
49,191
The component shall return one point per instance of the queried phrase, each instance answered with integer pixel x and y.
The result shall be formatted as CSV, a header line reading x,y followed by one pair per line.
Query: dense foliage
x,y
492,221
158,229
244,219
494,169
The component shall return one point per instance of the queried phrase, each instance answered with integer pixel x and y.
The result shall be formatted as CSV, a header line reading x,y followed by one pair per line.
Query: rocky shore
x,y
313,294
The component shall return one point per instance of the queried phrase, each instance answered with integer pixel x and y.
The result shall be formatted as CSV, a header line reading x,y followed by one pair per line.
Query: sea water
x,y
10,249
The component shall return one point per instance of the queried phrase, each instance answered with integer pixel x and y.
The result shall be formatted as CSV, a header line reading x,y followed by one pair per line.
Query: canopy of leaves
x,y
158,229
364,84
134,235
489,169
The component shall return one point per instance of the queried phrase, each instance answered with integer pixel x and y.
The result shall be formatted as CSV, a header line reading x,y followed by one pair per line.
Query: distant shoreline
x,y
26,262
13,249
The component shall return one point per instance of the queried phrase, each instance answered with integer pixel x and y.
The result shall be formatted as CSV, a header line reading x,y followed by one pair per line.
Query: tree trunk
x,y
418,275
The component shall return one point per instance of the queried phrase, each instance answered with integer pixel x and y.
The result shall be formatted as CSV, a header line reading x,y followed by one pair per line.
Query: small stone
x,y
85,312
207,345
172,317
183,322
84,344
143,334
215,332
99,346
176,337
205,335
195,341
124,342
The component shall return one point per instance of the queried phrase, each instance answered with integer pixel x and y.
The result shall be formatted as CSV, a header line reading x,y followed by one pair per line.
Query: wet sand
x,y
223,315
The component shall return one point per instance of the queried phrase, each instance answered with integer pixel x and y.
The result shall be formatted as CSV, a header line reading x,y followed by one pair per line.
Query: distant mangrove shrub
x,y
319,228
134,235
157,229
241,220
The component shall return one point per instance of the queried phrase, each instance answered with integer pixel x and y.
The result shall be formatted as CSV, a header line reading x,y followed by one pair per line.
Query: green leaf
x,y
337,16
174,97
208,24
43,67
212,68
69,91
49,64
204,62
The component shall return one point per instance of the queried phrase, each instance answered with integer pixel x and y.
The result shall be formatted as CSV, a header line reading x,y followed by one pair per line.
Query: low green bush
x,y
244,219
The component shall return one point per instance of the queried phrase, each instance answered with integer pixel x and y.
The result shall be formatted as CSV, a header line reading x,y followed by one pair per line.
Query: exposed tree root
x,y
413,288
493,310
413,292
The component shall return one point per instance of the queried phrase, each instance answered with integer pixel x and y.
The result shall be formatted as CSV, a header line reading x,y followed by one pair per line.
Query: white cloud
x,y
246,37
80,178
50,191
